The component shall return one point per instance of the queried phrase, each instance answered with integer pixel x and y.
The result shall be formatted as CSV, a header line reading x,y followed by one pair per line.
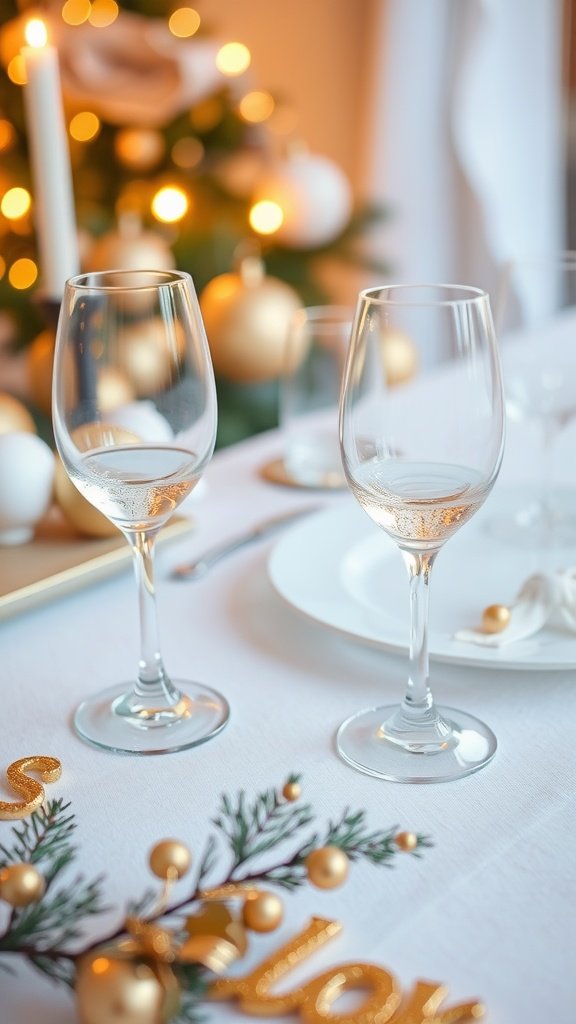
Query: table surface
x,y
488,910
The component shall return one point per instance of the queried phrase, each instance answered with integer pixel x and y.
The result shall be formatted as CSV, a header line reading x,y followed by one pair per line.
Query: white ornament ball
x,y
130,250
314,195
27,468
142,418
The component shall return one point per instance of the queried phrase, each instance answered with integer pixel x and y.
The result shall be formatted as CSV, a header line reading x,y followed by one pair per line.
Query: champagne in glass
x,y
420,476
136,462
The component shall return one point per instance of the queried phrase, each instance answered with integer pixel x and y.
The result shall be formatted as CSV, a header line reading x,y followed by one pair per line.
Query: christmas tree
x,y
177,159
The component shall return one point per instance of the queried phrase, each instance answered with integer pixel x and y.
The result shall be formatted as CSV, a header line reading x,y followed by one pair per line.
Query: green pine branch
x,y
48,932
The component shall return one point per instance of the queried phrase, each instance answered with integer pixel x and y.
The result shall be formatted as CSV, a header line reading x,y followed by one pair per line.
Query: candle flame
x,y
35,33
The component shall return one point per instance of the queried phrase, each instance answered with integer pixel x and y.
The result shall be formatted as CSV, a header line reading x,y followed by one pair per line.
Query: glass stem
x,y
418,703
152,678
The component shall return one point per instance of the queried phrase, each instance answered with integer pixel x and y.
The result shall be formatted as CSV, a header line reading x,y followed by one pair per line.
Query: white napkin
x,y
544,599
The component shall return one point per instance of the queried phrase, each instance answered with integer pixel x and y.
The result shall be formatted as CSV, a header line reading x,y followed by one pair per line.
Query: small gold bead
x,y
21,884
495,618
327,867
262,911
170,858
406,841
292,791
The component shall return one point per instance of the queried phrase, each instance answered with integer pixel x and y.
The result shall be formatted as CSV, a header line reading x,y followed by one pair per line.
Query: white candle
x,y
52,177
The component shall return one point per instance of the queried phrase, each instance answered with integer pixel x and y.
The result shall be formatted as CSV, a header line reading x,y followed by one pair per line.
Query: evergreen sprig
x,y
253,829
45,932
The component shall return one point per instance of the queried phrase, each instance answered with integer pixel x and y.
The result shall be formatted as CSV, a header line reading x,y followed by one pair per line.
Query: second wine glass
x,y
421,472
134,412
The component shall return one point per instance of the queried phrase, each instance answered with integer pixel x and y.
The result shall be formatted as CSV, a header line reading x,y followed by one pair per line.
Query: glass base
x,y
103,721
362,742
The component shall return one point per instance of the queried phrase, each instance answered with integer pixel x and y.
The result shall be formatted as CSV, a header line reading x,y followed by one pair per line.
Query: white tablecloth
x,y
489,910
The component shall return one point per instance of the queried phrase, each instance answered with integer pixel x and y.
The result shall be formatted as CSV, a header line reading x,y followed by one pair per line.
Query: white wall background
x,y
450,112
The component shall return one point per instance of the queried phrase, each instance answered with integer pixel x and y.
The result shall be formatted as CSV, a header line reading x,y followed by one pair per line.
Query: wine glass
x,y
309,389
138,335
420,476
535,314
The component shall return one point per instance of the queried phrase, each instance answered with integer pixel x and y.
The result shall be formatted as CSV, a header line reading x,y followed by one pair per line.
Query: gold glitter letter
x,y
48,768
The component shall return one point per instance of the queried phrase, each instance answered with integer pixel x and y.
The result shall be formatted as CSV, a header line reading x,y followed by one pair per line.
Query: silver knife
x,y
193,570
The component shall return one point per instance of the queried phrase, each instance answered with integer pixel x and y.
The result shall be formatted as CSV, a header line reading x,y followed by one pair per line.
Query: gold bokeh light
x,y
266,217
233,59
170,204
16,70
76,12
187,152
184,22
256,106
84,126
7,134
103,13
15,203
23,273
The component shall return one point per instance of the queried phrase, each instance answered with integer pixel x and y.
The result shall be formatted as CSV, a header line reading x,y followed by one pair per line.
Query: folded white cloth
x,y
544,599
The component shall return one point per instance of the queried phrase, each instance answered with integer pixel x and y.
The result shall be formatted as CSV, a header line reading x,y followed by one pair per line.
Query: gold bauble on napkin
x,y
545,599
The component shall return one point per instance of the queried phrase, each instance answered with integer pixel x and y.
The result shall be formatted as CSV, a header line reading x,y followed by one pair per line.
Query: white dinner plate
x,y
341,570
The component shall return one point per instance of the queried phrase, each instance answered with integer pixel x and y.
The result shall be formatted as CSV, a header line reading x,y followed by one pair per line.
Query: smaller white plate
x,y
338,568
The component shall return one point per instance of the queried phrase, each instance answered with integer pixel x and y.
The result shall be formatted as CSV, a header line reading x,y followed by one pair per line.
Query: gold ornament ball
x,y
495,618
39,361
263,911
21,884
399,355
115,991
170,857
406,841
14,416
292,791
246,316
327,867
78,512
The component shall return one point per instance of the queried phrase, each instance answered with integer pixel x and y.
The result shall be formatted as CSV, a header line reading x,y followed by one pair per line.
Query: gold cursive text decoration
x,y
383,1003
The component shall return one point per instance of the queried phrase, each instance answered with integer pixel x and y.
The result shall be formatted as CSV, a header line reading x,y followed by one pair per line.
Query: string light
x,y
7,134
15,203
256,106
187,153
84,126
103,13
23,273
16,71
184,22
233,59
266,217
76,12
139,148
170,204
